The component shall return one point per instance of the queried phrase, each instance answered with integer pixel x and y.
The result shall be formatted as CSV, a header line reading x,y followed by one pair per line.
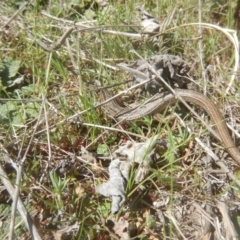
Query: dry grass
x,y
52,51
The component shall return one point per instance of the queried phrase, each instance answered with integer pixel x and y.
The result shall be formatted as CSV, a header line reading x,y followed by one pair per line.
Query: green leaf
x,y
32,109
8,69
102,149
13,68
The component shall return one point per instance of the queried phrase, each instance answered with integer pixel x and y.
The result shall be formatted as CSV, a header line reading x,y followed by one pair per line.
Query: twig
x,y
15,196
173,220
200,44
201,210
48,139
18,178
58,43
114,129
70,53
15,14
21,209
208,224
86,27
47,127
226,219
67,21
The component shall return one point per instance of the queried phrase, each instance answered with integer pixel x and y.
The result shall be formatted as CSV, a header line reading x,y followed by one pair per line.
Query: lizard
x,y
161,100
